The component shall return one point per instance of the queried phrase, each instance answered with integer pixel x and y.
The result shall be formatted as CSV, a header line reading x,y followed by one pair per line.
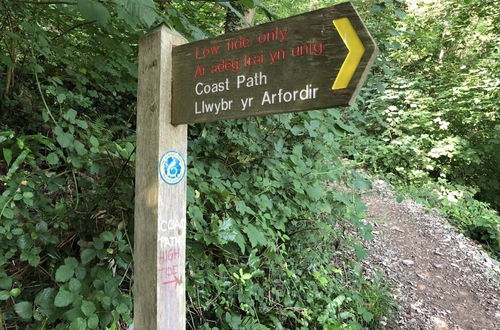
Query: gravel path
x,y
442,279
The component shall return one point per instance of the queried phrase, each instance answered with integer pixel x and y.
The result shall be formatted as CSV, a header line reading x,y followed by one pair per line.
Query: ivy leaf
x,y
24,309
93,11
255,236
63,298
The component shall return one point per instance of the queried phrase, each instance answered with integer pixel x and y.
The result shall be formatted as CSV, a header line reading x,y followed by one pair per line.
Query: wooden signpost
x,y
312,61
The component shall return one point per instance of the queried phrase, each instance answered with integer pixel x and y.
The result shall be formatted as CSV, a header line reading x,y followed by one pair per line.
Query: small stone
x,y
439,324
396,228
408,262
438,266
413,321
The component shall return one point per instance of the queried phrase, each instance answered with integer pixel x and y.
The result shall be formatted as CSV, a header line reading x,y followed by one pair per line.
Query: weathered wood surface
x,y
160,208
307,51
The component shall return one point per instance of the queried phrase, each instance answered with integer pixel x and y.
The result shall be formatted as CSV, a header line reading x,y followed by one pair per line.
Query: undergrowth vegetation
x,y
430,122
270,244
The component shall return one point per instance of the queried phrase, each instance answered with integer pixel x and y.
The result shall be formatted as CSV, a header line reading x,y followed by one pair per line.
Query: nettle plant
x,y
265,228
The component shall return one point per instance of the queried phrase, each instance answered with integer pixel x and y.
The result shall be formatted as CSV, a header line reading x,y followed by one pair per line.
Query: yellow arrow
x,y
356,51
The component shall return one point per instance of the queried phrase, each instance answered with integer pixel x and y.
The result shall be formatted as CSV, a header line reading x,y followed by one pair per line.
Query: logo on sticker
x,y
172,167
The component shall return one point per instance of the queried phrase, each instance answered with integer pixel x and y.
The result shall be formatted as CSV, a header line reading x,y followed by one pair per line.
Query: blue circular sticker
x,y
172,167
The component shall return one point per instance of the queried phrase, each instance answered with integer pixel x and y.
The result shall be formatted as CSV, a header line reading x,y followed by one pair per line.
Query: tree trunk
x,y
234,22
249,18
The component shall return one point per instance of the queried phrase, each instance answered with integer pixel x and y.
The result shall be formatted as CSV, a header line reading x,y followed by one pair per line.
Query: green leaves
x,y
24,309
66,271
4,295
255,236
52,158
88,255
228,231
365,314
78,324
93,321
262,218
93,10
5,283
88,308
316,192
74,285
7,155
64,139
136,12
63,298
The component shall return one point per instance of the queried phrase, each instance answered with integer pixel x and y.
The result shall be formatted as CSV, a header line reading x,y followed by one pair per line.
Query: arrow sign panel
x,y
312,61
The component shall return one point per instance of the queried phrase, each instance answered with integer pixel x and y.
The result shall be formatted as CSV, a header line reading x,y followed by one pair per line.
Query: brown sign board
x,y
316,60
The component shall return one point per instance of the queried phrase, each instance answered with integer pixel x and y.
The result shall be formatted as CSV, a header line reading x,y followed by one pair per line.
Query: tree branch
x,y
72,28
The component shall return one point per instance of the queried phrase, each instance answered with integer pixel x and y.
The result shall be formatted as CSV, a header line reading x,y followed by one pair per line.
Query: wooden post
x,y
160,191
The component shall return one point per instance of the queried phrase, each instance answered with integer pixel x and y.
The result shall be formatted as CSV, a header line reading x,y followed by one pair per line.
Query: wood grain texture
x,y
287,73
160,209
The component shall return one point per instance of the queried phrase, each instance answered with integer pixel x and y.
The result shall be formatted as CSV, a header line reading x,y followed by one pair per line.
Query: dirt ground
x,y
442,279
